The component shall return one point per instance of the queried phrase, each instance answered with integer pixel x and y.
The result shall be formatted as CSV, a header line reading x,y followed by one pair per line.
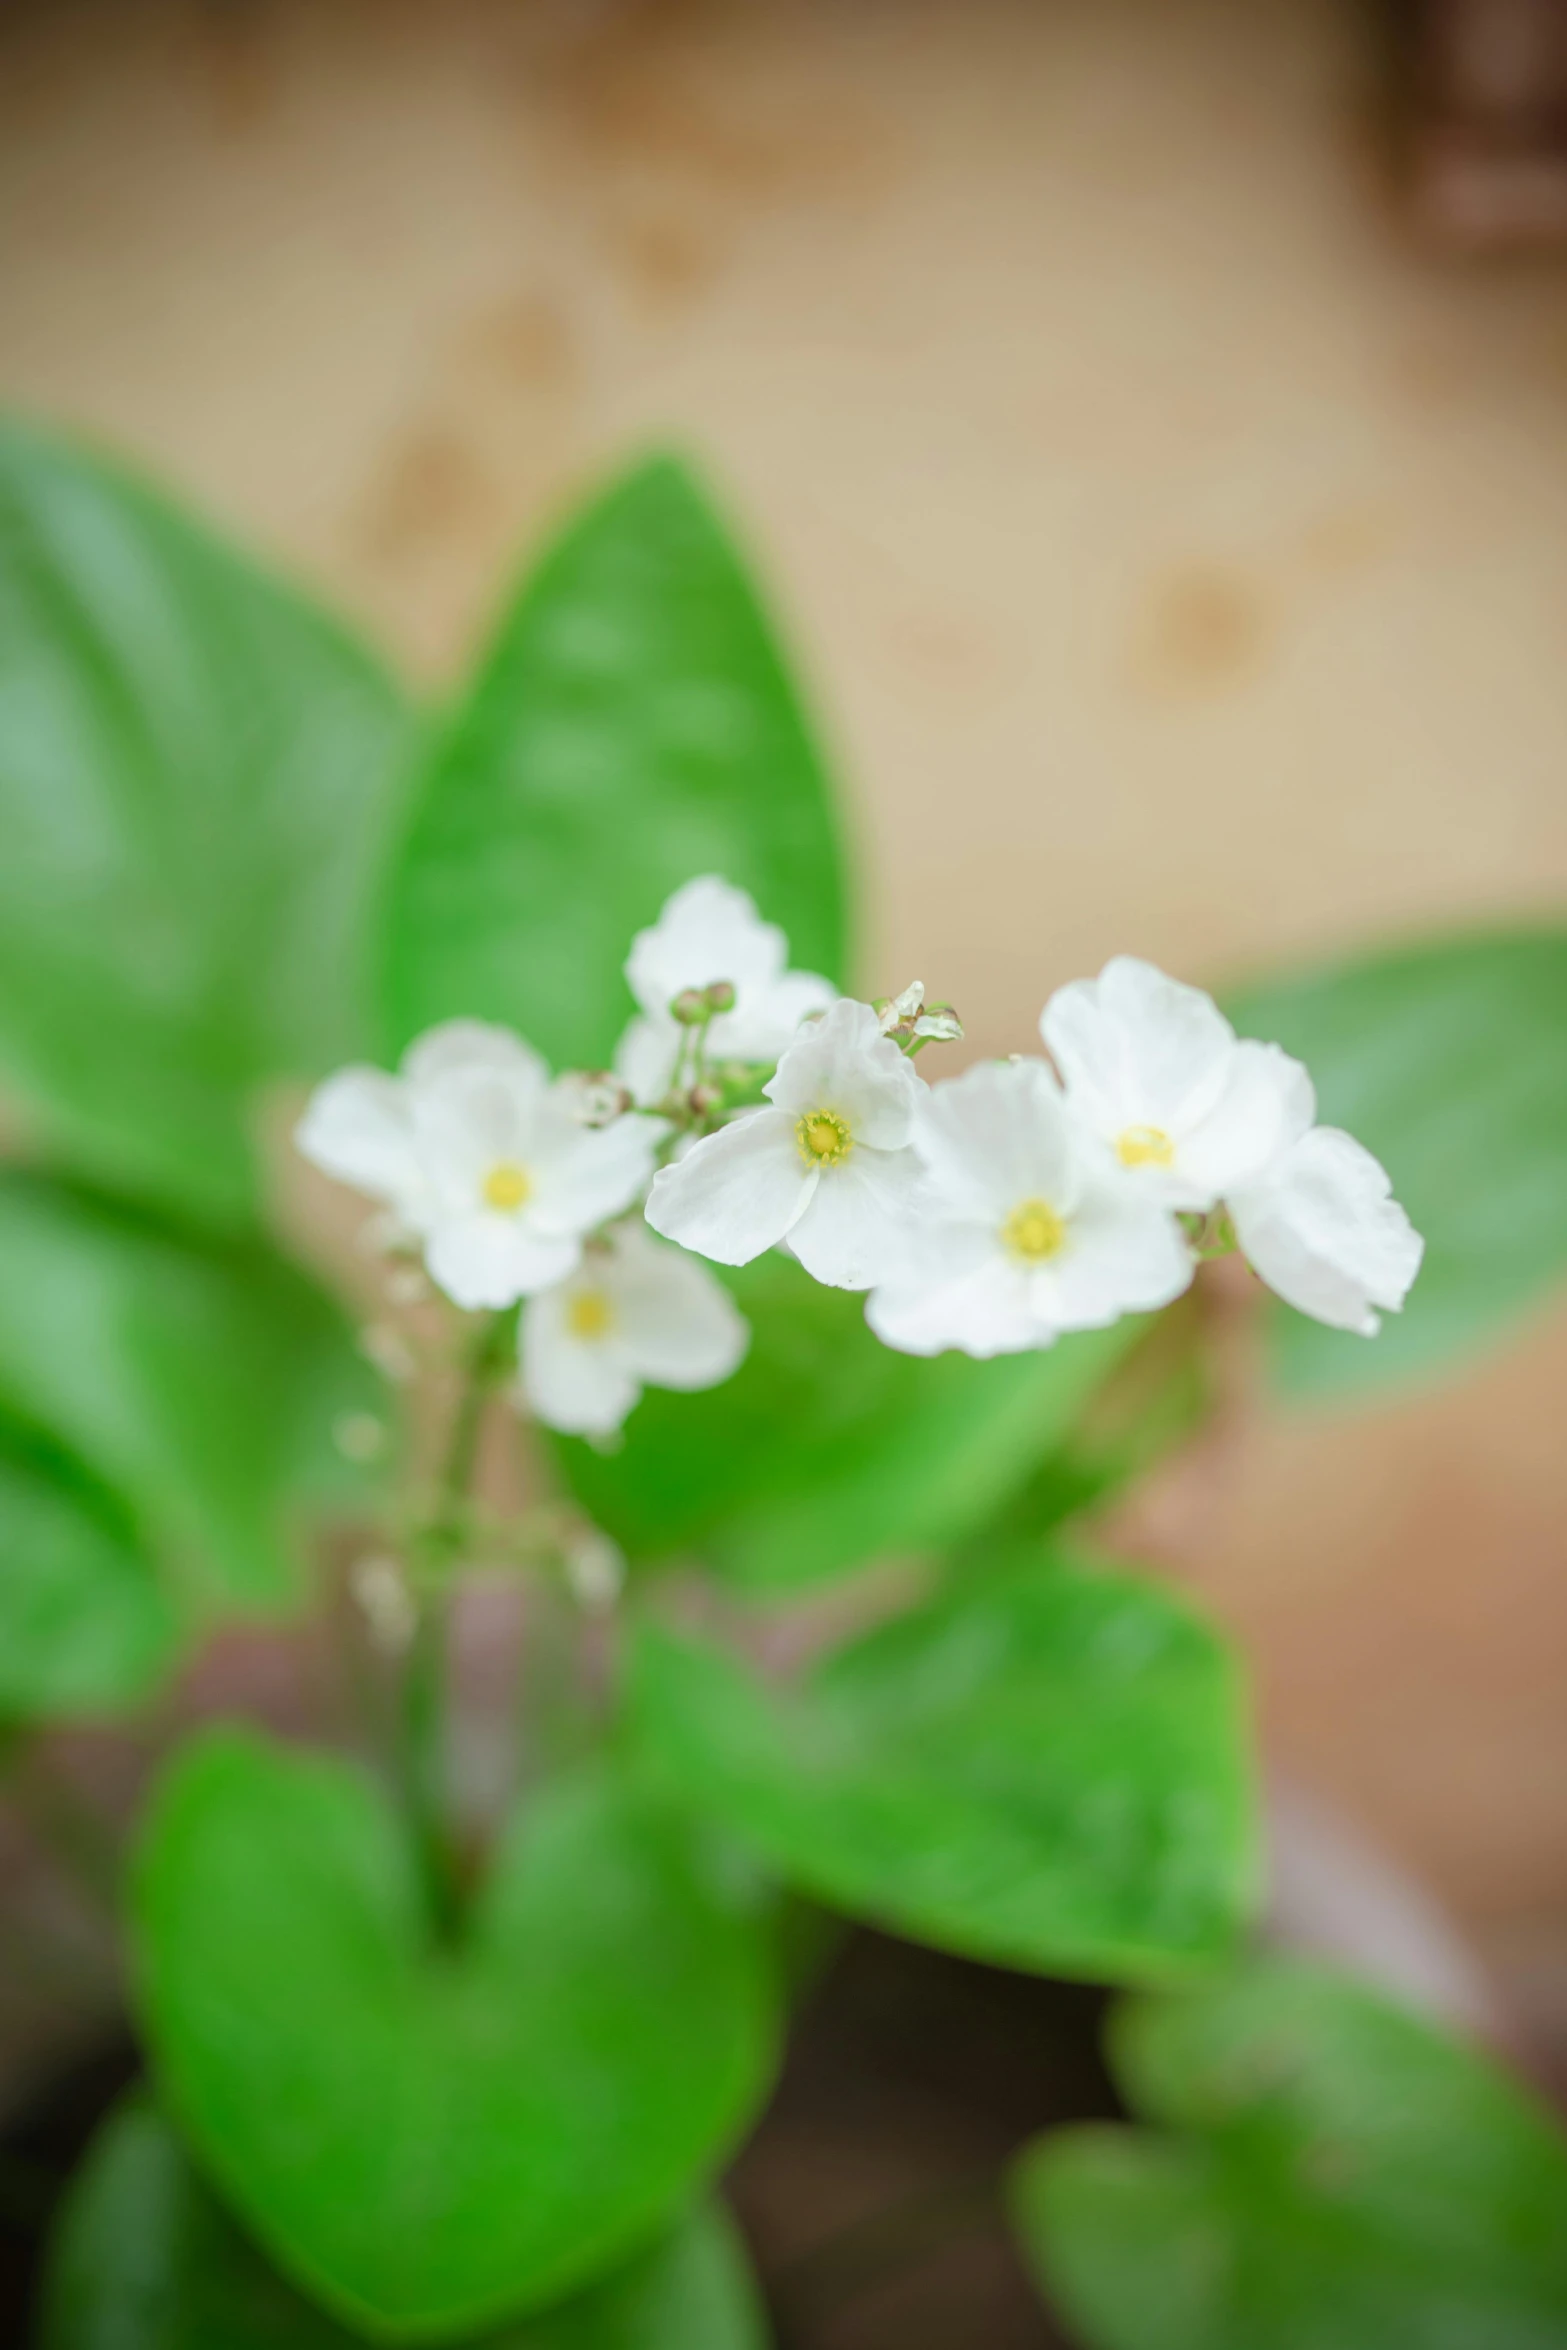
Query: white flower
x,y
708,932
1322,1228
633,1314
1032,1228
1157,1072
481,1157
828,1166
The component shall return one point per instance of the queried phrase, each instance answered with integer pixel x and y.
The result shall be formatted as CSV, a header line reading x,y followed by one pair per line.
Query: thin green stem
x,y
437,1546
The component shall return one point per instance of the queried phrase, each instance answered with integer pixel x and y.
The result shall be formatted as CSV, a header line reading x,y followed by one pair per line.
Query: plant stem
x,y
437,1546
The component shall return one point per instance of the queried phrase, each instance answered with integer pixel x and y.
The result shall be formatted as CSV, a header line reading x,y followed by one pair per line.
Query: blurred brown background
x,y
1174,528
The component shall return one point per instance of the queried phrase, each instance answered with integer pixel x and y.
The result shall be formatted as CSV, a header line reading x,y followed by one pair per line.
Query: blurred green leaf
x,y
144,2257
633,726
196,774
1345,2177
1450,1062
1049,1769
197,1379
431,2138
827,1448
86,1623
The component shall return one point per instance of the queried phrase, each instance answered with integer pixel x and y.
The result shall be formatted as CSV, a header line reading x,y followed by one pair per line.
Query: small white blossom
x,y
1031,1227
633,1314
1320,1225
1156,1071
480,1157
828,1167
709,932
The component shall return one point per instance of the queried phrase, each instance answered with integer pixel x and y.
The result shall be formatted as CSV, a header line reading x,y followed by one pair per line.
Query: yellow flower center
x,y
1145,1146
589,1314
1034,1231
823,1137
507,1186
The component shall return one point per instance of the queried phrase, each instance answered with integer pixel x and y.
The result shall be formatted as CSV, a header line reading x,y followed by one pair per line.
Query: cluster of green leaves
x,y
233,857
1326,2172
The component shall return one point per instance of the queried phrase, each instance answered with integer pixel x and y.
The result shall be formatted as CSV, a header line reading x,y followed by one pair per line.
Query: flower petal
x,y
486,1260
852,1233
473,1044
999,1134
358,1126
582,1386
766,1018
1137,1048
583,1175
676,1325
978,1302
708,930
737,1192
1322,1228
645,1057
842,1062
1125,1254
1268,1104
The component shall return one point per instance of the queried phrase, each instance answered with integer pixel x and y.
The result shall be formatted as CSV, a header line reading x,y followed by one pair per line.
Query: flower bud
x,y
705,1099
899,1008
593,1096
720,995
941,1024
690,1007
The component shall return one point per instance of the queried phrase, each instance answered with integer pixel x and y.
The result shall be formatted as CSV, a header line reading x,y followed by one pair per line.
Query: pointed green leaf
x,y
1048,1769
1332,2174
145,2257
196,773
633,726
1449,1061
431,2138
87,1624
192,1377
827,1449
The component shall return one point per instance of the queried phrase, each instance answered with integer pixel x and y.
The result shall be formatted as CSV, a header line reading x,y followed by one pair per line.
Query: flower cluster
x,y
752,1107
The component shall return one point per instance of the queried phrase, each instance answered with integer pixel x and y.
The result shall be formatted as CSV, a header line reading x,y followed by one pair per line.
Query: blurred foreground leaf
x,y
196,1379
1334,2174
633,726
1049,1770
196,773
146,2258
827,1448
1450,1062
428,2138
86,1623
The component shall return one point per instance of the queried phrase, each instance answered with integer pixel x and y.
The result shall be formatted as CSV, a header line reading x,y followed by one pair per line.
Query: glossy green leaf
x,y
632,727
196,774
145,2257
87,1624
1450,1062
430,2138
826,1448
1331,2173
1048,1769
196,1379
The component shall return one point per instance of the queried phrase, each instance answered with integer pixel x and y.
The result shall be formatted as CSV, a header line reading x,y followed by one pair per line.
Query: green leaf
x,y
1450,1062
187,1375
144,2257
633,727
86,1624
1345,2177
826,1448
196,773
429,2138
1048,1769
